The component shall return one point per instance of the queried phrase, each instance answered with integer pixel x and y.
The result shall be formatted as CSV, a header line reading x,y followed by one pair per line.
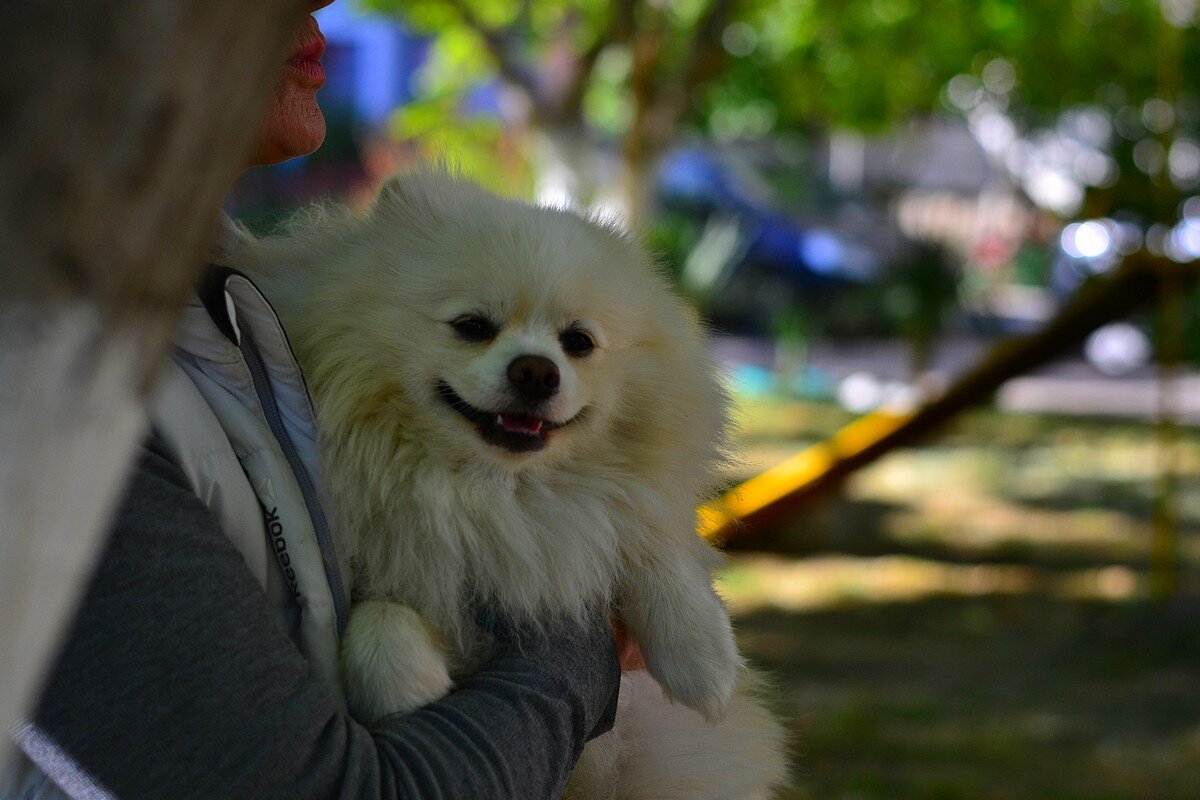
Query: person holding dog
x,y
203,660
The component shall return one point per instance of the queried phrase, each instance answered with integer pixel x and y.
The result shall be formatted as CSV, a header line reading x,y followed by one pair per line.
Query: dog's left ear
x,y
411,197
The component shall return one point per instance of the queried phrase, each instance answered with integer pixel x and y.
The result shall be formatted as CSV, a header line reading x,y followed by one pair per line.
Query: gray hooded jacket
x,y
203,662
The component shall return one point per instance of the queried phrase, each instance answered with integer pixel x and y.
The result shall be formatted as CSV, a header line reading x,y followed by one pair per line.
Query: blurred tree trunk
x,y
124,123
1164,533
650,126
662,93
662,100
1171,311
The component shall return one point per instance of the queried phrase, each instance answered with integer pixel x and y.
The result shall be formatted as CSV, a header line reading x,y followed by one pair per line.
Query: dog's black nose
x,y
534,377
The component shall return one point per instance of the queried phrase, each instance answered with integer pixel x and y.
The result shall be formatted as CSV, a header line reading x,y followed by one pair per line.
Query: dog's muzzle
x,y
515,431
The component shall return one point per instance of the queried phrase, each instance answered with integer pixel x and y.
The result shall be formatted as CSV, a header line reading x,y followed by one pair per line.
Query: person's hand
x,y
581,659
628,650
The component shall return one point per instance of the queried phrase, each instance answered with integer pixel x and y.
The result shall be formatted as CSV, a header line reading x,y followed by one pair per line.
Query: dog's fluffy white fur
x,y
593,505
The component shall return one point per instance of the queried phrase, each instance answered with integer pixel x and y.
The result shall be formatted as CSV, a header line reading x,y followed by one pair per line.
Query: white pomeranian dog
x,y
515,408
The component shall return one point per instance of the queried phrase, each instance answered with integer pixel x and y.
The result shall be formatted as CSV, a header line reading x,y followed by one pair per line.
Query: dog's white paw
x,y
391,661
697,665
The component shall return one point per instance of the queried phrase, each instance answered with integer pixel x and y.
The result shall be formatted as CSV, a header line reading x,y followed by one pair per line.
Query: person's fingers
x,y
628,650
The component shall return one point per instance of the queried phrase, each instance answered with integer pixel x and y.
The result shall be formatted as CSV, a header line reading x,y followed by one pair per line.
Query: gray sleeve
x,y
178,680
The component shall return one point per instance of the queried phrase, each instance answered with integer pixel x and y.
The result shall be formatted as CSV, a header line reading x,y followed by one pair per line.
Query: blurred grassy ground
x,y
968,619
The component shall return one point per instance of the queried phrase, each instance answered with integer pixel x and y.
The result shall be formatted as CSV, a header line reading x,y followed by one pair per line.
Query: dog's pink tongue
x,y
519,423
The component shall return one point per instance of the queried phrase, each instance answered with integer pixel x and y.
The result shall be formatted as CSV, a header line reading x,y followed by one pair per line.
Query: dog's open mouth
x,y
514,431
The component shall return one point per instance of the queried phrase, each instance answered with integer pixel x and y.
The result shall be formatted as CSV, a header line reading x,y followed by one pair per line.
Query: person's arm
x,y
178,680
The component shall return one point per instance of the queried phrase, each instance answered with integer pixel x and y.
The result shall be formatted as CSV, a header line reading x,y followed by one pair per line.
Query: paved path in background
x,y
1136,398
1068,386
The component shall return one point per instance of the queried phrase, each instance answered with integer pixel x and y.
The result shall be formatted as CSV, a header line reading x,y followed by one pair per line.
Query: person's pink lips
x,y
311,51
306,60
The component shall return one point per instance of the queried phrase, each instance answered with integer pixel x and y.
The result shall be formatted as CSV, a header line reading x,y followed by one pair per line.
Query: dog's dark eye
x,y
577,343
471,328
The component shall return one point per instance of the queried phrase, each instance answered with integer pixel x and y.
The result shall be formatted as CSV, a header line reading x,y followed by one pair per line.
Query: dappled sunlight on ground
x,y
978,697
754,583
969,619
995,488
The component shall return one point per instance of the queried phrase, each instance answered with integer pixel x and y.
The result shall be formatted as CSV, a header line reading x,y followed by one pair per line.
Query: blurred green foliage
x,y
598,91
753,67
871,63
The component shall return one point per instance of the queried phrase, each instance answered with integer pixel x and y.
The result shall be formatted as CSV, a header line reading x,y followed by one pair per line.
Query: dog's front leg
x,y
683,628
391,661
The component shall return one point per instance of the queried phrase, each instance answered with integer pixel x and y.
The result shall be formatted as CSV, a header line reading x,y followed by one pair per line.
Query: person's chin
x,y
309,137
295,129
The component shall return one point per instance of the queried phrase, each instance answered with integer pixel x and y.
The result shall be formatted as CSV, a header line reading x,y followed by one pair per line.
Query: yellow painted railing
x,y
795,473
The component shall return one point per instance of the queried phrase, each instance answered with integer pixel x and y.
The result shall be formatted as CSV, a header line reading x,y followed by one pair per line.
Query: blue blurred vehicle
x,y
759,266
811,256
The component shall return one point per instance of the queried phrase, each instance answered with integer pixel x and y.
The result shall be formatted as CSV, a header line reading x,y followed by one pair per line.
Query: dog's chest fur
x,y
541,545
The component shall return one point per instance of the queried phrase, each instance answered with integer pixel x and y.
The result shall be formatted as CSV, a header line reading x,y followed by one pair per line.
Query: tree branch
x,y
570,108
571,105
705,60
1098,302
500,45
659,108
646,47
